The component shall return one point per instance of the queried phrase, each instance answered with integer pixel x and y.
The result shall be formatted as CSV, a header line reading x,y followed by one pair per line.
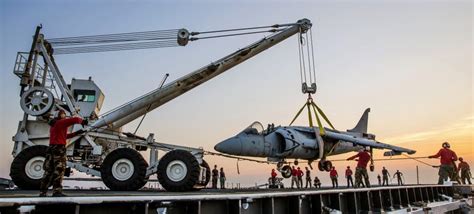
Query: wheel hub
x,y
123,169
176,170
34,167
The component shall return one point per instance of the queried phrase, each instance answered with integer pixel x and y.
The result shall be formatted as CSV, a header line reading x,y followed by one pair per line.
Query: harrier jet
x,y
307,143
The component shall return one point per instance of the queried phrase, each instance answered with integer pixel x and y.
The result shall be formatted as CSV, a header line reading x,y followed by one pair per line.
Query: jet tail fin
x,y
361,126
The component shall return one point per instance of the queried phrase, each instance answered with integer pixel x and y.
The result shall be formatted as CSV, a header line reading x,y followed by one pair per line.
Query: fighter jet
x,y
307,143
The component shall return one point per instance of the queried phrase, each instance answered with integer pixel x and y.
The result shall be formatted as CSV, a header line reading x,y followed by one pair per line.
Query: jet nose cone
x,y
231,146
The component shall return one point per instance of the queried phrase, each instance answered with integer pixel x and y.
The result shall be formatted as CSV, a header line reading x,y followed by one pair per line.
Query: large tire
x,y
178,171
26,170
208,172
124,169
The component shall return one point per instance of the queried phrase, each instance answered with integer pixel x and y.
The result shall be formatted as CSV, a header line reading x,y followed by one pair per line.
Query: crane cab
x,y
88,97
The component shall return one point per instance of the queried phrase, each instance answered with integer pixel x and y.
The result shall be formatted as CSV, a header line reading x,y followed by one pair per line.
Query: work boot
x,y
43,194
59,194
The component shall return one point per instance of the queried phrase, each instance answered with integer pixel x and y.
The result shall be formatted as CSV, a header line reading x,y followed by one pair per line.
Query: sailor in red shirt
x,y
300,177
349,177
447,158
465,171
294,177
273,176
333,175
361,169
55,162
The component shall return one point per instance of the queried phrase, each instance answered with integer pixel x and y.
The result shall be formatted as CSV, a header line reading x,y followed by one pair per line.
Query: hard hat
x,y
446,145
461,159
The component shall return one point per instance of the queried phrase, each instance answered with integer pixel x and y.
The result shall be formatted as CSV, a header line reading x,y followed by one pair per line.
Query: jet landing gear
x,y
324,165
284,170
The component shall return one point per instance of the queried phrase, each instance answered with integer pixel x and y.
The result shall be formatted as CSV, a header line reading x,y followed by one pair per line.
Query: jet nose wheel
x,y
324,166
286,171
37,101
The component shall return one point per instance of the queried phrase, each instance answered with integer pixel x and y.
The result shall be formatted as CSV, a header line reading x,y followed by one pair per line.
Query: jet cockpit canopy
x,y
256,128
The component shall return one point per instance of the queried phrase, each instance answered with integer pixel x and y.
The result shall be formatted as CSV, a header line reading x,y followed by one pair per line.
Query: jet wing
x,y
395,150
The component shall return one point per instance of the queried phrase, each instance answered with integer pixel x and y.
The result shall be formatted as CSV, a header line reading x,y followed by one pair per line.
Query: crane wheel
x,y
37,101
208,172
124,169
26,169
178,171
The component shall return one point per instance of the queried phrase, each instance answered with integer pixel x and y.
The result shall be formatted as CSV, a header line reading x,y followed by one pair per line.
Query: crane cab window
x,y
84,95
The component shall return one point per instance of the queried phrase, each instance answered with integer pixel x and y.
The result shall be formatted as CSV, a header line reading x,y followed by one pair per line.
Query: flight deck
x,y
392,199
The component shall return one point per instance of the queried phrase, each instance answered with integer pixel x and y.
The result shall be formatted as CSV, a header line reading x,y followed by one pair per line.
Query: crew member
x,y
349,177
222,178
399,175
55,162
447,158
465,171
294,177
385,176
300,178
317,182
379,179
215,176
333,175
308,178
273,176
361,169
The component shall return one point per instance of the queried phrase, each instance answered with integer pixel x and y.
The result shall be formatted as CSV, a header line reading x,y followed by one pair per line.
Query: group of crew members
x,y
447,170
218,175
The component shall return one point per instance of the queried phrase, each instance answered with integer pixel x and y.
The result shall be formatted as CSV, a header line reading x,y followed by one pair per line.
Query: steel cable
x,y
116,47
234,34
145,34
240,29
312,54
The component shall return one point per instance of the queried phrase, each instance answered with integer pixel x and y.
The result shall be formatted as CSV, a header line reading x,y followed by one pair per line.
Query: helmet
x,y
460,159
446,145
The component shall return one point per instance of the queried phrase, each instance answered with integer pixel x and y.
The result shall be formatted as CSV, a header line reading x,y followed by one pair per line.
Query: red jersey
x,y
348,172
294,172
333,173
274,174
300,172
364,158
447,156
58,131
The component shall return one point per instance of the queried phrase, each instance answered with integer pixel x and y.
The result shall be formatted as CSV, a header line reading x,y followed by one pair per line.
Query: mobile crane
x,y
104,150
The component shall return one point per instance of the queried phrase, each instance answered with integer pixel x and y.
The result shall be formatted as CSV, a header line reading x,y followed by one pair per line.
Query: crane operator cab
x,y
88,96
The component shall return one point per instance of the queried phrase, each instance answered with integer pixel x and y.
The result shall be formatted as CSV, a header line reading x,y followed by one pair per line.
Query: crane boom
x,y
140,106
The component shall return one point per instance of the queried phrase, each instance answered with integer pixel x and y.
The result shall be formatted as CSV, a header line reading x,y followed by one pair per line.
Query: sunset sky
x,y
409,61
